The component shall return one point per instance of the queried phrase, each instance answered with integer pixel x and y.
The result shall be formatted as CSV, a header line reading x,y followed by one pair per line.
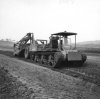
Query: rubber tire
x,y
26,53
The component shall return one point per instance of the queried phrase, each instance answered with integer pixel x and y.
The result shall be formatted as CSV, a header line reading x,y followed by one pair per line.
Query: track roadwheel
x,y
36,59
26,53
32,57
50,60
42,58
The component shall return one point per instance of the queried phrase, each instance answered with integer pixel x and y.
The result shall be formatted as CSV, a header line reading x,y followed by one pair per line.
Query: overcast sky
x,y
44,17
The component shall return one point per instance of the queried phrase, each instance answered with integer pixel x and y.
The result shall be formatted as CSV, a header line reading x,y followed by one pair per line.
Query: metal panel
x,y
74,56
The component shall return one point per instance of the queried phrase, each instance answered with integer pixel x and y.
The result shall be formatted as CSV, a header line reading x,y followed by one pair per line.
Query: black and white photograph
x,y
49,49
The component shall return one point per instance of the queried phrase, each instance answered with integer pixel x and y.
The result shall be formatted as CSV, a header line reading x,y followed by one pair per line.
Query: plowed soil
x,y
25,80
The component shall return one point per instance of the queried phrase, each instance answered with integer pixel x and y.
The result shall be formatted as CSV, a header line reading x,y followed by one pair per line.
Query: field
x,y
6,45
43,82
89,47
21,79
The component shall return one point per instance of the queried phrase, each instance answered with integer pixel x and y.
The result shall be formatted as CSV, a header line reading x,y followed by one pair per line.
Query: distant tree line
x,y
9,40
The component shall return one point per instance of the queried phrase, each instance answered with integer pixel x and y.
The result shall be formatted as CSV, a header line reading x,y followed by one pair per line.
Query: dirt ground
x,y
23,80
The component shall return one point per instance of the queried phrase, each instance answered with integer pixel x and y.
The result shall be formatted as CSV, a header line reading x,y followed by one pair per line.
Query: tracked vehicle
x,y
55,53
